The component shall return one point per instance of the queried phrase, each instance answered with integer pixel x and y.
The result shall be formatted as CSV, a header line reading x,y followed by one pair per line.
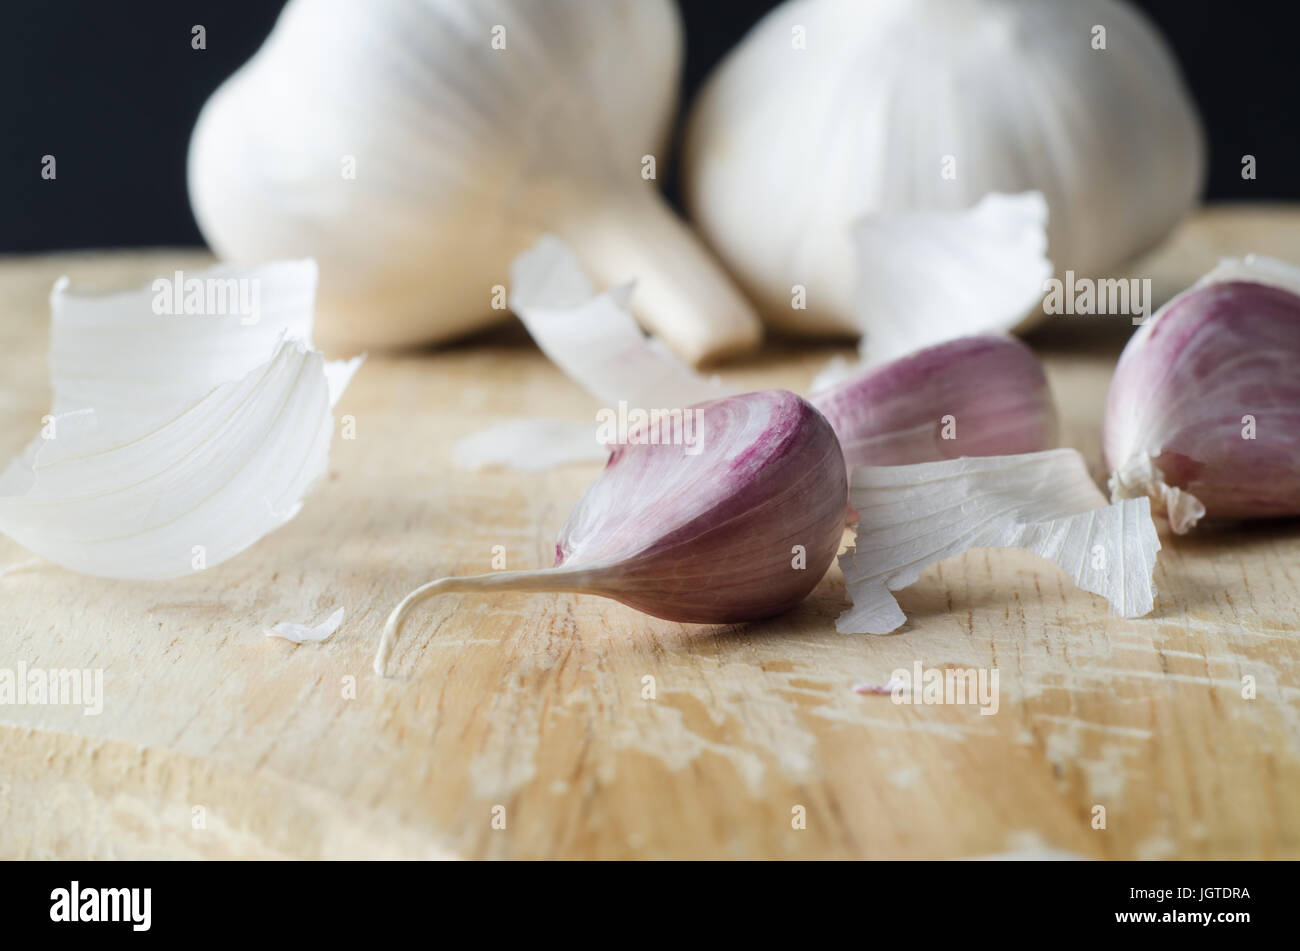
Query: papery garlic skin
x,y
462,152
593,337
175,441
787,147
974,396
307,633
736,525
1043,502
596,341
1203,413
929,276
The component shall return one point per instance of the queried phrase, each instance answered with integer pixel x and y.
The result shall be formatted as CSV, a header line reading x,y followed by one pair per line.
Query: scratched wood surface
x,y
535,703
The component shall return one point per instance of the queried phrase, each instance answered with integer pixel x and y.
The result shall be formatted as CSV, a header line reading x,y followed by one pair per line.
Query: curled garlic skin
x,y
929,276
825,114
742,529
1203,413
180,434
414,148
974,396
1043,502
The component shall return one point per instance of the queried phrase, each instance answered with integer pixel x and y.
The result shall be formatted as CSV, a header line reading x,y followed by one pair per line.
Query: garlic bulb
x,y
1203,413
738,524
831,110
413,148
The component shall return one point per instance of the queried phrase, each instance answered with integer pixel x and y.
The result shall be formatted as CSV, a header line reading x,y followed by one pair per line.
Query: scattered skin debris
x,y
884,689
302,633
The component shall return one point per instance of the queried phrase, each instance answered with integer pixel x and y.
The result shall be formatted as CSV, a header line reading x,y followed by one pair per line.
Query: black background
x,y
111,88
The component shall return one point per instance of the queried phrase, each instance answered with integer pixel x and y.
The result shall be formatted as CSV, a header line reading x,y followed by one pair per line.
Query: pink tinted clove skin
x,y
1185,385
738,522
743,530
988,392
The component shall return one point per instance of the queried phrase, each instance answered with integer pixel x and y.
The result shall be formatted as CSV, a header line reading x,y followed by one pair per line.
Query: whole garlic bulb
x,y
904,105
414,147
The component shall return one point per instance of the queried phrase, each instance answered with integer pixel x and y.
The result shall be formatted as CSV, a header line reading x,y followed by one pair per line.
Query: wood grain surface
x,y
218,742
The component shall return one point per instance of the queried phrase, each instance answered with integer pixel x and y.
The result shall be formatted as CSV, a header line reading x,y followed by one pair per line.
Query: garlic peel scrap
x,y
1256,268
304,633
111,353
176,441
930,276
594,338
1140,477
596,341
1044,502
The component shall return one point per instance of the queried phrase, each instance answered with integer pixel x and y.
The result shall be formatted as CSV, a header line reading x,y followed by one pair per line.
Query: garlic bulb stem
x,y
542,579
682,294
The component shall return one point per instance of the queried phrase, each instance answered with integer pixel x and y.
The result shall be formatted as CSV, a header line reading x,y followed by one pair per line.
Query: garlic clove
x,y
176,440
974,396
761,485
831,110
1203,413
415,148
1044,502
738,522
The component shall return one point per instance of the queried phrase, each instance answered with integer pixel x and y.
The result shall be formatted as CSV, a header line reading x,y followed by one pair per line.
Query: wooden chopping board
x,y
529,711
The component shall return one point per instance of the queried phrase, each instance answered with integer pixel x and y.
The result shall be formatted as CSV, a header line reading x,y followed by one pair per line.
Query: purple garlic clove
x,y
735,514
973,396
1203,414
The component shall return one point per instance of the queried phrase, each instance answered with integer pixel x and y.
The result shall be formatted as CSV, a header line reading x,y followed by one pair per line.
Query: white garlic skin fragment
x,y
929,105
414,148
176,439
1044,502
